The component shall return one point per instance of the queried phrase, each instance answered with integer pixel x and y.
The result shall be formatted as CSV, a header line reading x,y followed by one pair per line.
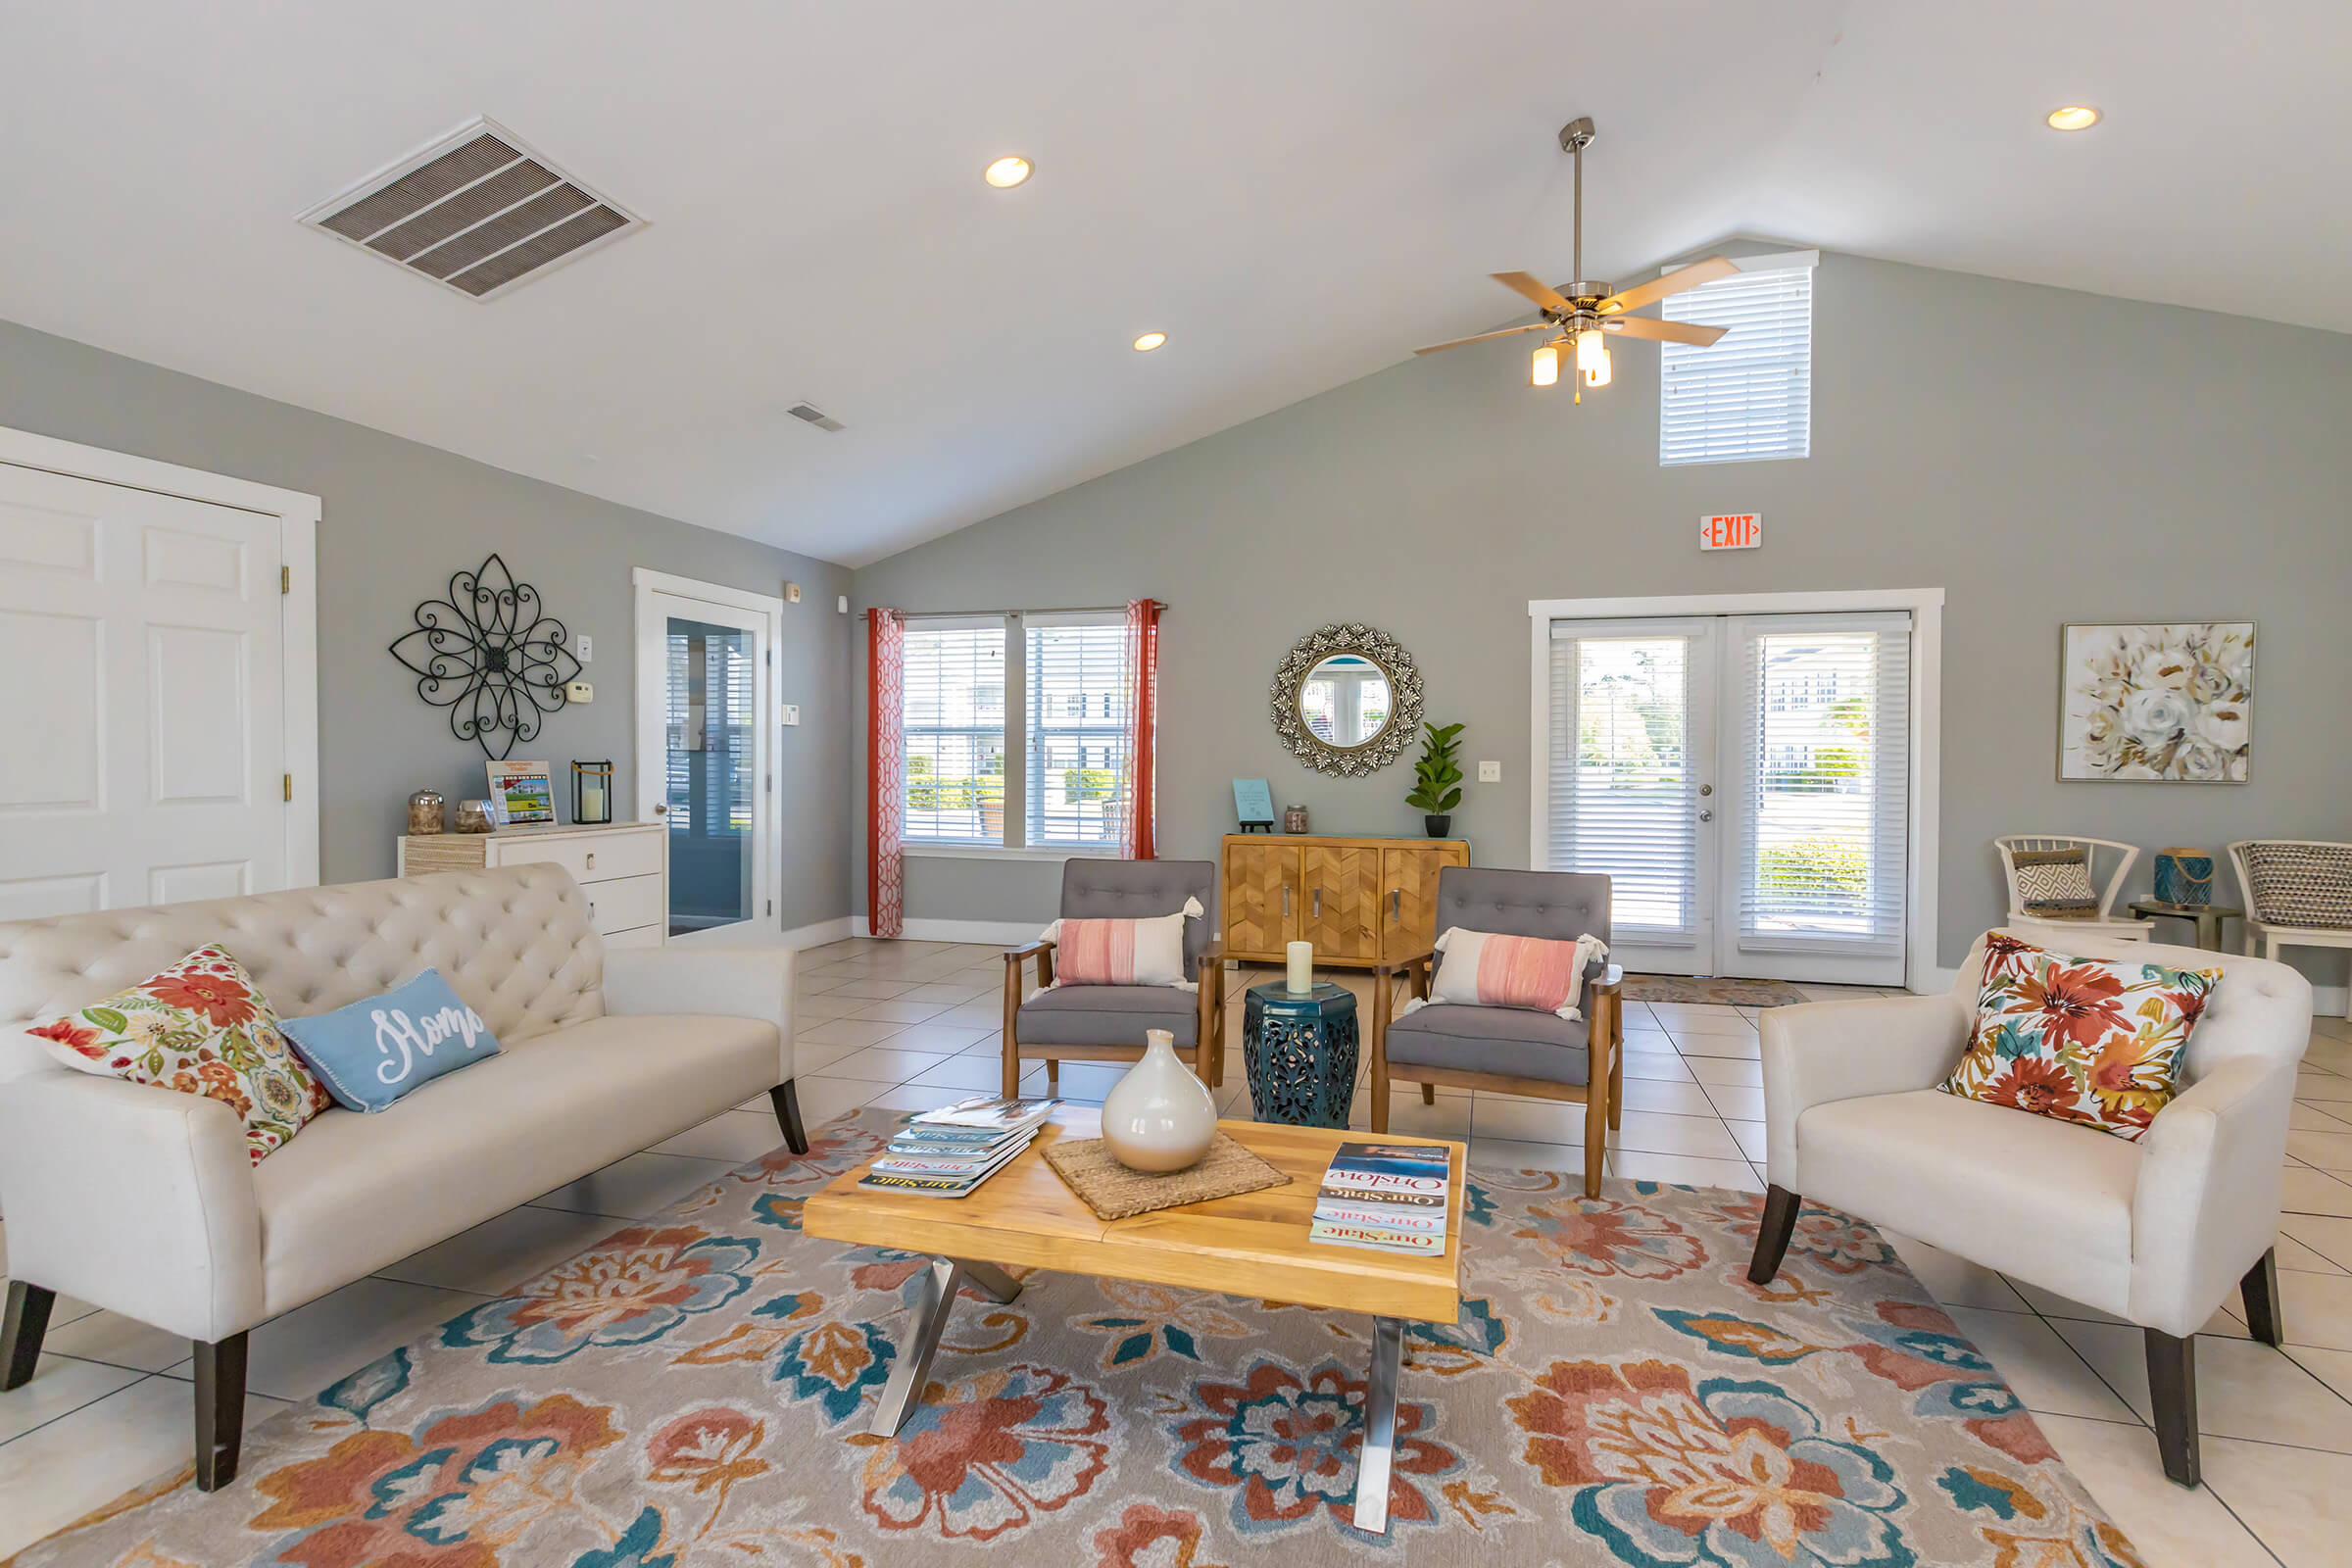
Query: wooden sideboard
x,y
1358,901
622,866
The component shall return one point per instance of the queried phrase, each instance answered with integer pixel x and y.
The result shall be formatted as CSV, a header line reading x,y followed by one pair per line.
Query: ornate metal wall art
x,y
1401,725
488,655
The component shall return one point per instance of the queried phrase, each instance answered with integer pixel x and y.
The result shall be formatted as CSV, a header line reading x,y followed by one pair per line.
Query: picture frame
x,y
1252,804
2156,702
521,794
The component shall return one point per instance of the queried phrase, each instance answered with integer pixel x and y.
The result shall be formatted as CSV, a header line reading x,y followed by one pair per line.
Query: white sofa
x,y
143,1201
2156,1232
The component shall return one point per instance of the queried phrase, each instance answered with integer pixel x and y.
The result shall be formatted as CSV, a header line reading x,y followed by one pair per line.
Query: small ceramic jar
x,y
1293,819
1160,1117
473,817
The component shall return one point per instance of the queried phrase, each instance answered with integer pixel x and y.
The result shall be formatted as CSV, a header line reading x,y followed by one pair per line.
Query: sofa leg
x,y
2173,1391
2259,1289
220,1410
22,1332
788,1115
1780,1206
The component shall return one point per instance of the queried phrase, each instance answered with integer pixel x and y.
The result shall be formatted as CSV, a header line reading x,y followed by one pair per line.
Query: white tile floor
x,y
911,1025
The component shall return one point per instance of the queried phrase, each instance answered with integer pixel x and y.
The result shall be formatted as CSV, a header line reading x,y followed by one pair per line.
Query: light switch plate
x,y
1490,772
579,691
585,646
792,713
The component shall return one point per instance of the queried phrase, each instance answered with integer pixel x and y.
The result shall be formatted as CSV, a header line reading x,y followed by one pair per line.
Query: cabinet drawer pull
x,y
1286,901
591,859
1318,904
1395,905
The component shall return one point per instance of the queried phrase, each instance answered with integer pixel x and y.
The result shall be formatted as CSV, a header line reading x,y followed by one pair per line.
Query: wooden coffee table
x,y
1252,1245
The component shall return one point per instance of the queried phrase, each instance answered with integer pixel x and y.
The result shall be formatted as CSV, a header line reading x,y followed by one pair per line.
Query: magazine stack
x,y
1393,1197
948,1152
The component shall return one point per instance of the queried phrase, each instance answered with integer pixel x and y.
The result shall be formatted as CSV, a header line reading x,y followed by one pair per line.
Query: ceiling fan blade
x,y
1674,282
1508,332
1662,331
1534,288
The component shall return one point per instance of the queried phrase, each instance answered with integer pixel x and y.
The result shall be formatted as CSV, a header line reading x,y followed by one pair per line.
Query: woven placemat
x,y
1114,1191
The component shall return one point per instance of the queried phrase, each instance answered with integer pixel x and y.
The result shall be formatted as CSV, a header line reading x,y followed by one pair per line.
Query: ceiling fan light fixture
x,y
1593,358
2072,116
1545,368
1149,341
1006,173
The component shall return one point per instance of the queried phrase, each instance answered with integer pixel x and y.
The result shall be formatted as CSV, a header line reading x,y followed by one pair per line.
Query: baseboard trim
x,y
838,929
1001,933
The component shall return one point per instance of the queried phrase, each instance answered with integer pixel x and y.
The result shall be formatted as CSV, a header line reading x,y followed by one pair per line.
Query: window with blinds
x,y
1825,764
1622,799
1076,774
1751,395
953,711
709,721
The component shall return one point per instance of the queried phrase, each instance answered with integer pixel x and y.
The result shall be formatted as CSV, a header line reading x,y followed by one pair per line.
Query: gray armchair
x,y
1510,1050
1107,1023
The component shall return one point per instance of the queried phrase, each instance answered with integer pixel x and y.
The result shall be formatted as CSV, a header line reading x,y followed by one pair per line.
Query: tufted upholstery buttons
x,y
1556,905
515,943
1122,890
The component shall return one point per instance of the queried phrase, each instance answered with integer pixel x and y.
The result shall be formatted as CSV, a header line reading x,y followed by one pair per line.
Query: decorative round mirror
x,y
1347,700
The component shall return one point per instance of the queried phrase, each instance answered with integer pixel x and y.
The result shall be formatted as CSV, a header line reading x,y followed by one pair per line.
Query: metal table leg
x,y
941,1281
1379,1427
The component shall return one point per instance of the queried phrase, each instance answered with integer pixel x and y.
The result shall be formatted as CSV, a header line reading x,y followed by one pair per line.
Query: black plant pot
x,y
1439,826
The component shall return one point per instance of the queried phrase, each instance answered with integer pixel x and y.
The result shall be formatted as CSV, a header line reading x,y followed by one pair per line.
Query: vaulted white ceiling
x,y
1297,191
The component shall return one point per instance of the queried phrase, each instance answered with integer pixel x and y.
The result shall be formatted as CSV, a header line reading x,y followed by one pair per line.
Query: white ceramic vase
x,y
1159,1116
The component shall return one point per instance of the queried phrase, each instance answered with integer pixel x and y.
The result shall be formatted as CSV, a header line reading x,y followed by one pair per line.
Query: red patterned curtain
x,y
1141,681
885,769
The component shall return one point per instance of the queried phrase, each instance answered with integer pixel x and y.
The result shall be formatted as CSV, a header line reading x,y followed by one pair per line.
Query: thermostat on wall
x,y
579,691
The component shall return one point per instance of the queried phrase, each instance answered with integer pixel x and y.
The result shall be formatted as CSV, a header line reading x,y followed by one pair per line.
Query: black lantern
x,y
591,793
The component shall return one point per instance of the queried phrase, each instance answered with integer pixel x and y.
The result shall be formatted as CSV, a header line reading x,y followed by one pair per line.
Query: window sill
x,y
999,852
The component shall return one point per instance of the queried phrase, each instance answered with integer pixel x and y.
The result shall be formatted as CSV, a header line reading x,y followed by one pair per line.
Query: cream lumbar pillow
x,y
1124,953
1486,970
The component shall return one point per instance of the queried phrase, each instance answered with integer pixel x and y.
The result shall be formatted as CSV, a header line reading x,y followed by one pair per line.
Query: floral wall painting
x,y
2157,703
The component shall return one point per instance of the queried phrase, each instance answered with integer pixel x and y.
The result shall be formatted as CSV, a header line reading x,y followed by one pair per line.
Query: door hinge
x,y
771,906
289,786
285,579
767,657
772,783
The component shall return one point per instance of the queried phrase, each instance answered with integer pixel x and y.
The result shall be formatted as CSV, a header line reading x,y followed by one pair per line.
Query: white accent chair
x,y
142,1199
2156,1231
2268,938
2060,932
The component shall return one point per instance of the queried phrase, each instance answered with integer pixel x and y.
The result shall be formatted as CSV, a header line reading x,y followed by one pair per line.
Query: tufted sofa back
x,y
516,944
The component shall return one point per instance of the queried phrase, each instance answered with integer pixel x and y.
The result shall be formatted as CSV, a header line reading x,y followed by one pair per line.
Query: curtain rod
x,y
1058,610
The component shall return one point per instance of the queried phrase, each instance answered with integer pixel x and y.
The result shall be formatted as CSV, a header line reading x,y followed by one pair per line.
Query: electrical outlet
x,y
792,713
579,691
585,646
1490,772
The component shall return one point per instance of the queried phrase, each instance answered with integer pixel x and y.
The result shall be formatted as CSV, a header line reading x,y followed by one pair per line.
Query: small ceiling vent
x,y
477,211
814,416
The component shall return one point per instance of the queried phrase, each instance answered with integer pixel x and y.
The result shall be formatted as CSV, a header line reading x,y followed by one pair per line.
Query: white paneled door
x,y
142,716
1744,781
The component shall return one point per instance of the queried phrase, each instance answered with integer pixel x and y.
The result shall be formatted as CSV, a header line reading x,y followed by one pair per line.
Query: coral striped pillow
x,y
1483,969
1122,953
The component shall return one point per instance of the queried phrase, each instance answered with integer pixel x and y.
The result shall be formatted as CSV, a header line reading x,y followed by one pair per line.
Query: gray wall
x,y
398,519
2043,455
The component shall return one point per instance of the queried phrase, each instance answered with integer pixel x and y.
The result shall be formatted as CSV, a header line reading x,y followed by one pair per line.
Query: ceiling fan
x,y
1582,315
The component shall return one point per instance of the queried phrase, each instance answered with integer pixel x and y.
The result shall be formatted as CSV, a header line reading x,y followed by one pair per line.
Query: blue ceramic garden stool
x,y
1300,1049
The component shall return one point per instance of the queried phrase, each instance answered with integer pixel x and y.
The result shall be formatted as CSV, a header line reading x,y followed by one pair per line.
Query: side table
x,y
2207,917
1300,1049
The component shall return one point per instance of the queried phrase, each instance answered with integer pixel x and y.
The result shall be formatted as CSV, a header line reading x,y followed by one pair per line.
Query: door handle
x,y
1706,816
1395,905
660,810
1286,901
1318,904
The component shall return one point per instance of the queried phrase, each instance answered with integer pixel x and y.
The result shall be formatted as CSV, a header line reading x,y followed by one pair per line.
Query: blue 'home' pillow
x,y
373,1052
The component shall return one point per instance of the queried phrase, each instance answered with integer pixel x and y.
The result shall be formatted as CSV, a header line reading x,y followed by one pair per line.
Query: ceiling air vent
x,y
814,416
477,211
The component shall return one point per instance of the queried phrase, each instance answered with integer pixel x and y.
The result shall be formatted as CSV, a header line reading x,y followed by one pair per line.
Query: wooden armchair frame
x,y
1208,1037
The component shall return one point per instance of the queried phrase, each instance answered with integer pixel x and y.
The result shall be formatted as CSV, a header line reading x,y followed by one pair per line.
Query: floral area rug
x,y
1720,990
696,1391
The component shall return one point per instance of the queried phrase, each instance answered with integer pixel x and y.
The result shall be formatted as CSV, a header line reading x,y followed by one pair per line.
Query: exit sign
x,y
1730,530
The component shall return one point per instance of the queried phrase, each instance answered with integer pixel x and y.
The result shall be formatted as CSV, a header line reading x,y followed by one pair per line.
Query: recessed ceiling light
x,y
2073,116
1149,341
1006,173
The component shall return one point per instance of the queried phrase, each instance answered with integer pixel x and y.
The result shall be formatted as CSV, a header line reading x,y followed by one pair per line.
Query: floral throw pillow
x,y
2090,1041
201,1027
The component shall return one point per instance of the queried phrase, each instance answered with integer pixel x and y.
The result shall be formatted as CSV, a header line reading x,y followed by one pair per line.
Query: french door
x,y
705,756
1744,781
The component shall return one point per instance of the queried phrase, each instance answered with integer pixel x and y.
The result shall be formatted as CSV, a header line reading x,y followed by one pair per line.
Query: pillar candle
x,y
1302,967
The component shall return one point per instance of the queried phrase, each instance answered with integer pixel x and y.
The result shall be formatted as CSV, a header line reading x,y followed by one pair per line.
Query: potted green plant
x,y
1437,779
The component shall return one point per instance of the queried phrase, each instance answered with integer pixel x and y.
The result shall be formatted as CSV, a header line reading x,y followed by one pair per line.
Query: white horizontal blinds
x,y
953,708
708,718
1824,724
1623,797
1750,394
1077,754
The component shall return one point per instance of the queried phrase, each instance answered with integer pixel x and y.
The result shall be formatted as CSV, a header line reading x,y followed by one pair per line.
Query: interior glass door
x,y
710,796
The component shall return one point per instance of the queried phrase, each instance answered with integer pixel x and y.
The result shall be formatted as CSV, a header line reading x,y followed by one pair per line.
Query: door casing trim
x,y
1926,605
